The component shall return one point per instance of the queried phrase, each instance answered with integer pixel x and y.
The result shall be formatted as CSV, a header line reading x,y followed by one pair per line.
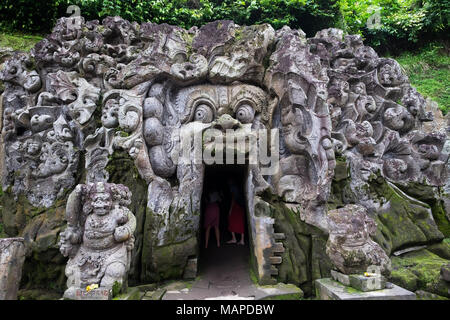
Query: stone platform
x,y
82,294
328,289
224,275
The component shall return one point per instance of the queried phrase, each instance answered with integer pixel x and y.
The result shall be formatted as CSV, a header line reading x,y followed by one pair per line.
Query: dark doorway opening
x,y
229,260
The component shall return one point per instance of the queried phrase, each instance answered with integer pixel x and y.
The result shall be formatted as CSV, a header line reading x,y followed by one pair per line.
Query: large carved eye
x,y
245,113
203,113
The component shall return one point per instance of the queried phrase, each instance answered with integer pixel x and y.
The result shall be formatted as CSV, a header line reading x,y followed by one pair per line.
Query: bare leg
x,y
242,239
233,238
216,228
208,229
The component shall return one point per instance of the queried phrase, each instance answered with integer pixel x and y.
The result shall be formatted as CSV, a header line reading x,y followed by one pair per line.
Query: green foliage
x,y
2,233
310,15
116,288
21,42
30,16
429,71
403,24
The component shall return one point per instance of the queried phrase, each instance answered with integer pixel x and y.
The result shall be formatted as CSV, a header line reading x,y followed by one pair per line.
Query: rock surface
x,y
420,270
328,289
445,272
349,245
12,256
119,102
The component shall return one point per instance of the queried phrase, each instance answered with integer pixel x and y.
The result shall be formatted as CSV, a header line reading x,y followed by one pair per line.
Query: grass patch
x,y
22,42
429,72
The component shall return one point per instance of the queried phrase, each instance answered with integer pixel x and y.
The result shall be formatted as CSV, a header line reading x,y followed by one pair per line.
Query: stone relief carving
x,y
306,149
377,116
99,237
349,245
144,88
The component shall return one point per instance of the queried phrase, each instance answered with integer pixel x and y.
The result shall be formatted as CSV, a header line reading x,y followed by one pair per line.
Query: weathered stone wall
x,y
12,255
104,102
304,259
121,170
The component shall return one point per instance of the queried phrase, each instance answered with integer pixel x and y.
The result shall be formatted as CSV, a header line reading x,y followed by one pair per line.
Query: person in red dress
x,y
212,215
236,215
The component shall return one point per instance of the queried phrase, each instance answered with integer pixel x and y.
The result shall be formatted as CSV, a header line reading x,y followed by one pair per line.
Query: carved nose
x,y
226,122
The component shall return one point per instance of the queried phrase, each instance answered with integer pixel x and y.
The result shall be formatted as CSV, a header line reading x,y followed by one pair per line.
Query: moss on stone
x,y
188,39
423,295
404,278
17,212
44,271
304,258
295,266
321,264
132,294
402,221
40,227
169,261
442,249
116,288
420,270
38,294
2,232
352,290
341,193
288,296
238,34
147,248
253,276
440,217
432,196
252,265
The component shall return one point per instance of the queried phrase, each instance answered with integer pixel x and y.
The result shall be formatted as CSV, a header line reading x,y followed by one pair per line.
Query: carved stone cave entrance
x,y
229,258
261,252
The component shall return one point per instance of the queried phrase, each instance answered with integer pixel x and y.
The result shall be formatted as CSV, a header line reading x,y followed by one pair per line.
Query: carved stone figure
x,y
99,237
349,245
148,91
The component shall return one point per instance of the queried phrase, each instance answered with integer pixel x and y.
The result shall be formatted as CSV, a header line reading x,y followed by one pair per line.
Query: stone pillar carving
x,y
349,245
98,240
360,262
12,257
